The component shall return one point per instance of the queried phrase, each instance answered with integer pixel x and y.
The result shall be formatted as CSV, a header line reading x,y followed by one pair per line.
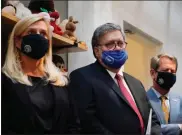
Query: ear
x,y
96,51
152,73
17,42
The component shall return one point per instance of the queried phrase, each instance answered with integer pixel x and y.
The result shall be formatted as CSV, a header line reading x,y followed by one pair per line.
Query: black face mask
x,y
34,46
166,80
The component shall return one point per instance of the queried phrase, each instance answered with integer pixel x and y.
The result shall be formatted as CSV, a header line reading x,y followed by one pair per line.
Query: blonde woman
x,y
34,94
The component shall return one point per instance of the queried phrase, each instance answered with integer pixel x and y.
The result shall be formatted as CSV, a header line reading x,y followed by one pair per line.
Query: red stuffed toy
x,y
54,16
37,6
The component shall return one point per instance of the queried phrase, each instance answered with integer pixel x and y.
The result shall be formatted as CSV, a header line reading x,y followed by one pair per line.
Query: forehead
x,y
167,63
111,36
38,25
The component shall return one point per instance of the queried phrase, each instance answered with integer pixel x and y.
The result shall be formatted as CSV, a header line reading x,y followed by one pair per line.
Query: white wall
x,y
62,8
160,19
90,14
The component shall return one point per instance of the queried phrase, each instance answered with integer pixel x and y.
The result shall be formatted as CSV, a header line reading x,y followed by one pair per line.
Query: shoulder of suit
x,y
149,93
149,90
175,95
81,70
130,77
5,78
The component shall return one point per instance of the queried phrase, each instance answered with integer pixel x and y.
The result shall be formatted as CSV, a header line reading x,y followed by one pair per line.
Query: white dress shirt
x,y
112,74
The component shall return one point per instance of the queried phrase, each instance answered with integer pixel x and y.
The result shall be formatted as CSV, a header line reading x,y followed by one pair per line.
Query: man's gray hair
x,y
101,30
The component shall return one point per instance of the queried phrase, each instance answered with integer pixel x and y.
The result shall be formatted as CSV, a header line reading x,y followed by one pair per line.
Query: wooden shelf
x,y
60,43
77,47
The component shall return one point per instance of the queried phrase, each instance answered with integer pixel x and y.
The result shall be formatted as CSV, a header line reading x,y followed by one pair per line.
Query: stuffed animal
x,y
10,10
15,7
55,16
59,62
62,24
70,29
37,6
7,8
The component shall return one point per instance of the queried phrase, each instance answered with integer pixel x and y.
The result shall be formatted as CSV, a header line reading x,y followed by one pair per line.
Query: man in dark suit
x,y
108,100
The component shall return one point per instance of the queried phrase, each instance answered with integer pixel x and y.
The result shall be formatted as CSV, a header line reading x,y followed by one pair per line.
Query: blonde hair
x,y
12,66
155,61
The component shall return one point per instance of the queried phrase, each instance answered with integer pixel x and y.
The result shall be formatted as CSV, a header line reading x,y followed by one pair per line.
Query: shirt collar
x,y
112,74
158,94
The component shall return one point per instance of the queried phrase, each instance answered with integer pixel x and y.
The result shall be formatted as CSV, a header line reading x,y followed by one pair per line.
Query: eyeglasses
x,y
112,45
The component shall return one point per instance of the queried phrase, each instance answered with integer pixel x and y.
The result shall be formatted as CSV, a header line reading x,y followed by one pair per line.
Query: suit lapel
x,y
57,102
156,104
174,108
114,86
108,80
21,91
58,94
60,100
136,95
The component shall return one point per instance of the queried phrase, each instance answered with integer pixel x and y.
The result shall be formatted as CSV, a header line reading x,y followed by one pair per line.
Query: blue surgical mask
x,y
115,58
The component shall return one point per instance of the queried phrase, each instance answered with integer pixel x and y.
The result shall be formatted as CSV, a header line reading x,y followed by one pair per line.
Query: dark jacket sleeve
x,y
6,110
4,121
74,123
156,126
84,99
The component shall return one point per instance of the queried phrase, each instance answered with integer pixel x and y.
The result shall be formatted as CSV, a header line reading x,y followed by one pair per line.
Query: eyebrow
x,y
168,69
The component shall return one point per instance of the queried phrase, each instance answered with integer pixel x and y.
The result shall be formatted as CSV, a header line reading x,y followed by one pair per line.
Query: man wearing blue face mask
x,y
168,106
108,100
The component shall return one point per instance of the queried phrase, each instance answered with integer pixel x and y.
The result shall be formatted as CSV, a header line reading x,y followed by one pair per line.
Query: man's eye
x,y
120,43
110,44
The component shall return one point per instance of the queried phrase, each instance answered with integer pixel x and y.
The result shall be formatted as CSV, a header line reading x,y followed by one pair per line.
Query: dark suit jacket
x,y
102,107
18,115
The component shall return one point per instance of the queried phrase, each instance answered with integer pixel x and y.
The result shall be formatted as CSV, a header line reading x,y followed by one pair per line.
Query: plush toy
x,y
37,6
15,7
70,29
59,62
62,24
55,16
10,10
